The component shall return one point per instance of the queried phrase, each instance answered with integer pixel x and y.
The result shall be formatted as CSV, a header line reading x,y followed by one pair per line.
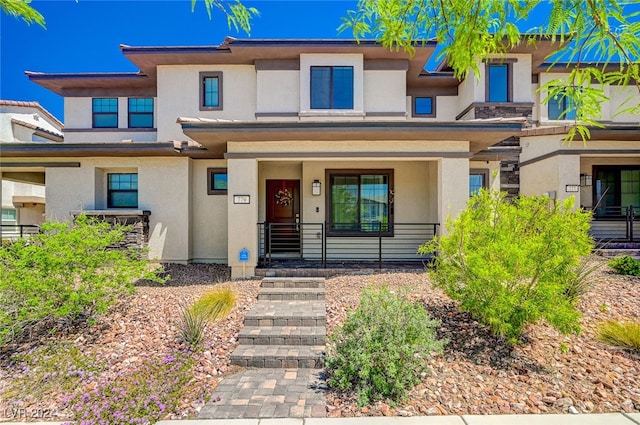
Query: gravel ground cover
x,y
476,374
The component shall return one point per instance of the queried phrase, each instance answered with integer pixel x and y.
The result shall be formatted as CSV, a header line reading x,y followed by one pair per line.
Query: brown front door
x,y
283,216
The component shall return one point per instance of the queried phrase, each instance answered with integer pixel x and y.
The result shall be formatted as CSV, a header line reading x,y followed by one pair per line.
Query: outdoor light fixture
x,y
572,188
586,180
315,187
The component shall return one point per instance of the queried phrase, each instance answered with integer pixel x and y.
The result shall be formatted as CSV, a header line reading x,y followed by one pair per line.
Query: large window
x,y
561,108
331,87
140,112
105,112
498,86
360,202
122,190
210,91
615,189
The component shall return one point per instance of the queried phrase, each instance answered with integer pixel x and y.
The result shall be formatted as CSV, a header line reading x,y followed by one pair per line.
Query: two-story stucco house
x,y
320,150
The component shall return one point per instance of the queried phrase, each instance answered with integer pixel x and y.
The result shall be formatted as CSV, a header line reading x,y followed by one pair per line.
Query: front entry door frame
x,y
283,217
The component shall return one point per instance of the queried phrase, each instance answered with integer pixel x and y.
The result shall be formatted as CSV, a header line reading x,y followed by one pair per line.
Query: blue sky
x,y
84,36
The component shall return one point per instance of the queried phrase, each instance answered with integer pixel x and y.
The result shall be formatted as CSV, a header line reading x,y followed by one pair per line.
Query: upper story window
x,y
211,91
498,82
140,112
332,87
561,108
424,106
122,190
105,112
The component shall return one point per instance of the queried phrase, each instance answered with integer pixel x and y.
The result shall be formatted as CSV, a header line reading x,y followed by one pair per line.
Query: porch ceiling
x,y
214,135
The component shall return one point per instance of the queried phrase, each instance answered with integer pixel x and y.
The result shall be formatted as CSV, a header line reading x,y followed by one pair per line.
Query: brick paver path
x,y
283,339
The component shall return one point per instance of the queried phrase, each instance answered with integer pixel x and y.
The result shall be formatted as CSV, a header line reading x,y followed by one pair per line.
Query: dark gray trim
x,y
494,104
108,92
41,164
111,130
499,60
277,64
385,114
276,114
210,74
386,65
116,149
432,91
581,152
285,155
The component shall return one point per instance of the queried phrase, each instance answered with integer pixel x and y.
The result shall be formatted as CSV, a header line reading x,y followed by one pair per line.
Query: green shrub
x,y
513,263
620,334
382,347
626,265
581,279
64,274
210,307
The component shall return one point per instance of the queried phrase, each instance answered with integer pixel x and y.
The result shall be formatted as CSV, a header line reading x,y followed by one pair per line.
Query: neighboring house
x,y
320,150
23,193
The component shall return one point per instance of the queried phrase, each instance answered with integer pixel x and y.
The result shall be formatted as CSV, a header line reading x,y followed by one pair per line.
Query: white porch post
x,y
453,188
242,218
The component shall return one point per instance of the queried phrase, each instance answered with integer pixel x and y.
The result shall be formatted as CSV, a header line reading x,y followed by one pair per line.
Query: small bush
x,y
382,347
64,274
620,334
580,279
141,397
626,265
513,263
210,307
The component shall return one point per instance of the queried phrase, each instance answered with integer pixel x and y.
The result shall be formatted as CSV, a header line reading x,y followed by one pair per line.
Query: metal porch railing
x,y
14,231
327,242
619,223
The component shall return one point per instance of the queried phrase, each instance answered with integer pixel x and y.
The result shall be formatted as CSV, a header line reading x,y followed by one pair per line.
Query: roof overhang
x,y
117,149
213,135
96,84
621,132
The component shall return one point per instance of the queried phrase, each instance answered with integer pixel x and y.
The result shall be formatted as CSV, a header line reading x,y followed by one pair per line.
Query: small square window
x,y
105,112
331,87
424,107
216,181
211,91
561,108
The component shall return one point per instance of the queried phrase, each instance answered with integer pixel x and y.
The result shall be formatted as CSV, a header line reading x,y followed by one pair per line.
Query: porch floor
x,y
302,268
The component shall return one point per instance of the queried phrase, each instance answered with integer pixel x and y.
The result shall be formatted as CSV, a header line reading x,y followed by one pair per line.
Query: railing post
x,y
324,244
380,245
630,221
21,230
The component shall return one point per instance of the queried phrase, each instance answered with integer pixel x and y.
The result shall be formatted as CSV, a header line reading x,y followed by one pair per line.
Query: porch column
x,y
453,188
242,217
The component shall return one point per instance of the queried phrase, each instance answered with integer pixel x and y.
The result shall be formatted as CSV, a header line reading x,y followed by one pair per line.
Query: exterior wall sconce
x,y
315,187
586,180
572,188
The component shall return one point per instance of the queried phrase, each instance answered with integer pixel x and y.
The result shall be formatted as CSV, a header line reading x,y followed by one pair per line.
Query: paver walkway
x,y
283,339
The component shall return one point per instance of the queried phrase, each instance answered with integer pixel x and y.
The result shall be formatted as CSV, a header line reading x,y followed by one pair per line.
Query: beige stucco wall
x,y
91,136
551,175
453,188
374,146
179,94
278,91
385,91
208,215
163,188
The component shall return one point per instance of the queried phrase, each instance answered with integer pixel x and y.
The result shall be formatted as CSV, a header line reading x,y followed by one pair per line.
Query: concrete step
x,y
279,356
282,335
288,294
287,313
294,282
611,253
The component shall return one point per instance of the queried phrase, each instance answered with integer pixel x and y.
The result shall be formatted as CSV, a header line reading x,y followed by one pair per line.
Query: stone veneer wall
x,y
137,236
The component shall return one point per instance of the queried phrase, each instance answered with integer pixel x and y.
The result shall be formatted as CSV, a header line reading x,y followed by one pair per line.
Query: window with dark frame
x,y
211,91
122,190
216,181
498,82
331,87
360,202
140,112
104,112
478,179
561,108
615,188
424,106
